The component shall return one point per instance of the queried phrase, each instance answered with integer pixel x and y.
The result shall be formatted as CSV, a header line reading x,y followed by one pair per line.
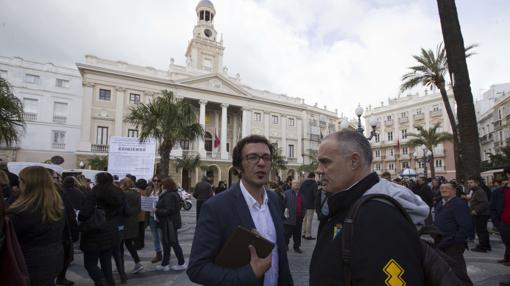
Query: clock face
x,y
207,33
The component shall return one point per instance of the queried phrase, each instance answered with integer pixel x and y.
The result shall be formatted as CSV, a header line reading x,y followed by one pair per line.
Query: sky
x,y
338,53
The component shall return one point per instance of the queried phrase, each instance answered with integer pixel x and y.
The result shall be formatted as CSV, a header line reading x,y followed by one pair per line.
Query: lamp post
x,y
371,120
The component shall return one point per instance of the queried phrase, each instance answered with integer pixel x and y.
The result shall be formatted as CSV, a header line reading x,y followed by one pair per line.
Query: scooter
x,y
186,199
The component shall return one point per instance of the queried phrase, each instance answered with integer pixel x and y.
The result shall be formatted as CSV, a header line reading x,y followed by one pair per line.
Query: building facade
x,y
51,97
493,114
396,121
226,108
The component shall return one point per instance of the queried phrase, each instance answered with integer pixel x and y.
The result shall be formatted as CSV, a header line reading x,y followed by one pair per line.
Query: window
x,y
105,94
404,133
439,163
134,98
390,136
102,135
62,83
132,133
391,166
421,165
60,111
405,151
58,139
378,166
435,108
275,119
3,74
418,111
388,117
185,144
291,151
202,15
377,138
34,79
30,105
258,116
405,165
403,114
391,152
377,153
291,121
228,147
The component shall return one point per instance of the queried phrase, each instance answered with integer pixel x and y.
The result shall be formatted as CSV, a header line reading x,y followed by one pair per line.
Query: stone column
x,y
201,145
119,110
299,147
223,143
246,122
234,131
266,124
284,134
86,118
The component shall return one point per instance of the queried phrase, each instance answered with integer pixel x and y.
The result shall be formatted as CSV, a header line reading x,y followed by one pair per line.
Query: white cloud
x,y
334,52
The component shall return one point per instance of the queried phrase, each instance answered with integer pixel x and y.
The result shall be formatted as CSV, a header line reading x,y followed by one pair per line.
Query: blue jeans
x,y
155,233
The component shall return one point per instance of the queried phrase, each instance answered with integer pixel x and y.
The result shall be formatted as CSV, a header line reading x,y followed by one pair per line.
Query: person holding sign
x,y
249,205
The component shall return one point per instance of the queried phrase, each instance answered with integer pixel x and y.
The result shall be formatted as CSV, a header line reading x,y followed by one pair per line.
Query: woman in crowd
x,y
169,217
220,188
133,201
73,192
98,244
141,185
38,218
154,192
5,186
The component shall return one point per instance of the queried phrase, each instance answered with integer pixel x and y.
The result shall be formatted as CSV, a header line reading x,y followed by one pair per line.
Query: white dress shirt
x,y
264,224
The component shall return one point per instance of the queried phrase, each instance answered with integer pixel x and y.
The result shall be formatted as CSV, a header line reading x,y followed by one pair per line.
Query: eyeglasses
x,y
255,158
156,181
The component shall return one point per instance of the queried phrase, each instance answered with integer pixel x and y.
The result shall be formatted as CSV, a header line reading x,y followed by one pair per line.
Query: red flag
x,y
216,140
398,144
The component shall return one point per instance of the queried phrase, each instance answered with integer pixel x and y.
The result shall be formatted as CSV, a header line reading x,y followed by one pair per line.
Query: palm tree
x,y
430,138
167,119
98,163
457,67
278,161
313,165
431,71
11,115
187,163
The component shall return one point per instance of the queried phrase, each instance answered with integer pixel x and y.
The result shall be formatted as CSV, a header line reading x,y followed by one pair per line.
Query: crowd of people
x,y
369,225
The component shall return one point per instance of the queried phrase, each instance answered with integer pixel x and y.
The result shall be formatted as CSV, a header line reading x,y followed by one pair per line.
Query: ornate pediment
x,y
214,82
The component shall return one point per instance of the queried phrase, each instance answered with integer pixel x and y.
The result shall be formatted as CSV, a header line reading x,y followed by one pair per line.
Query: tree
x,y
11,115
313,165
98,163
278,161
457,67
430,138
497,161
187,163
167,119
430,71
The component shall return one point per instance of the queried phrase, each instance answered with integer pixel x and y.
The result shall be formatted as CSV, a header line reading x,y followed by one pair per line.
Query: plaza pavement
x,y
482,267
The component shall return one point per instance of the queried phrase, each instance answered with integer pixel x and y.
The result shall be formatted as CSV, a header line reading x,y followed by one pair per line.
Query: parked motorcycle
x,y
186,199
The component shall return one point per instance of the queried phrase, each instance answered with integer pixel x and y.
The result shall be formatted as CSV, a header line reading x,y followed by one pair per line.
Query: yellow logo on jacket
x,y
394,272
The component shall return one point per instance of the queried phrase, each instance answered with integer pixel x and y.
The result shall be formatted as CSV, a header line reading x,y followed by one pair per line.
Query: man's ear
x,y
355,160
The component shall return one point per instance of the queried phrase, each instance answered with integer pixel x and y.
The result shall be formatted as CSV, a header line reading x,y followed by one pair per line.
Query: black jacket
x,y
169,215
381,233
479,202
454,222
133,207
75,196
110,199
309,192
425,193
497,205
203,190
41,244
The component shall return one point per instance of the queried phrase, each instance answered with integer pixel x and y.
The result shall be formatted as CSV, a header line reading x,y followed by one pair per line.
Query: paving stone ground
x,y
482,267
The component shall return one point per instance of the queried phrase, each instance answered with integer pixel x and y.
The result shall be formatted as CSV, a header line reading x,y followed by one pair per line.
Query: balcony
x,y
483,139
419,117
212,155
59,119
30,116
60,146
404,157
497,124
403,120
189,153
99,148
436,113
388,122
292,160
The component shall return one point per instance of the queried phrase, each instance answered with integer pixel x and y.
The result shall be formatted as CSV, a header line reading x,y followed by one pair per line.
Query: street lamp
x,y
372,121
82,165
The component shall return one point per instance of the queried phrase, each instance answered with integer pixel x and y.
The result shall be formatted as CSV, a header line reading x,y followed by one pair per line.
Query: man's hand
x,y
259,265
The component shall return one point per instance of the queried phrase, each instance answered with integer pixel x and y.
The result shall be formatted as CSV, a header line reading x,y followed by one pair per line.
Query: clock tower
x,y
204,52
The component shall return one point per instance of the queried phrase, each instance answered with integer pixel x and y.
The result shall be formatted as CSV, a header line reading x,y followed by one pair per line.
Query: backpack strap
x,y
348,228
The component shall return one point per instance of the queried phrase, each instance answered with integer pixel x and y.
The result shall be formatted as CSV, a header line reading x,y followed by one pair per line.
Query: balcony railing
x,y
497,124
30,116
59,119
189,153
55,145
213,155
291,160
435,113
388,122
99,148
403,120
419,117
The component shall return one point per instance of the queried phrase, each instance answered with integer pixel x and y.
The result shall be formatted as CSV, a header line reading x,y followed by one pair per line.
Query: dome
x,y
205,4
408,173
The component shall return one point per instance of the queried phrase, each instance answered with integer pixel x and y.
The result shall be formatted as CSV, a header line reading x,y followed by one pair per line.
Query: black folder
x,y
235,252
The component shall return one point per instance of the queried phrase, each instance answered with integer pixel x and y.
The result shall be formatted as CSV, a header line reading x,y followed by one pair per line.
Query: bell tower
x,y
204,52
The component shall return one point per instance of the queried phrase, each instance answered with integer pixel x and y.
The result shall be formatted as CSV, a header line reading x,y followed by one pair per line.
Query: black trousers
x,y
174,244
456,252
68,258
97,274
481,231
504,231
131,247
199,205
294,231
140,241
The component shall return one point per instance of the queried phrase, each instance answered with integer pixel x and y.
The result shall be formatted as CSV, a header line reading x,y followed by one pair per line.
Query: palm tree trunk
x,y
459,173
456,55
432,167
164,160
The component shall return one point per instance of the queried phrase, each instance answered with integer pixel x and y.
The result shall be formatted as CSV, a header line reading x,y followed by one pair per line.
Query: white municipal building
x,y
225,106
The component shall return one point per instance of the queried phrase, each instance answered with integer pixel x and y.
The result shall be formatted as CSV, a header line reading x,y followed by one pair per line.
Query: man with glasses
x,y
245,204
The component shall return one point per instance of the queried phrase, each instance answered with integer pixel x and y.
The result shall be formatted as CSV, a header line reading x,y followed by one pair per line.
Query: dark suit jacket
x,y
219,217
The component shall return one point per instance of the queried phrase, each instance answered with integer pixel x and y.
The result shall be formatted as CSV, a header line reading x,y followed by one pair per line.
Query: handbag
x,y
13,269
95,222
